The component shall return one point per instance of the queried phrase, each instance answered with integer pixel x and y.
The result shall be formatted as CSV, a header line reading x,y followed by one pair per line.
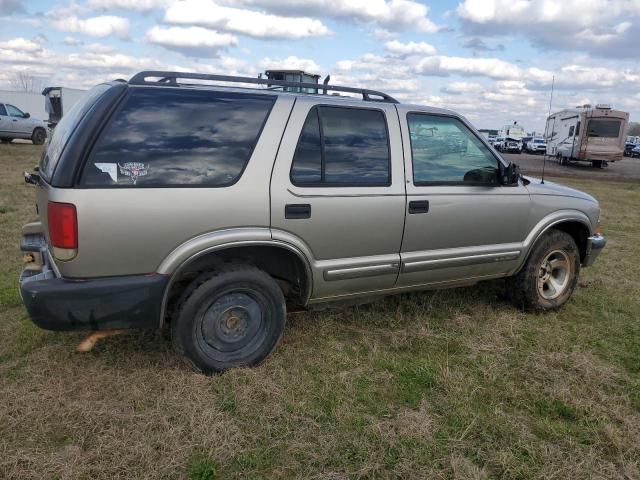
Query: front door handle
x,y
419,206
297,211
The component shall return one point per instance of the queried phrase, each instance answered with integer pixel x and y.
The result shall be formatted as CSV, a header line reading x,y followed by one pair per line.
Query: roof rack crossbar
x,y
171,78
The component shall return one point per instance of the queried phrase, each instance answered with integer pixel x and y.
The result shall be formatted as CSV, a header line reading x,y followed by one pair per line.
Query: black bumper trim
x,y
96,304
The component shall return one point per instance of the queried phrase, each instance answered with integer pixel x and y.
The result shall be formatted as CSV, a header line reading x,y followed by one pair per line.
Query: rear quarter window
x,y
171,137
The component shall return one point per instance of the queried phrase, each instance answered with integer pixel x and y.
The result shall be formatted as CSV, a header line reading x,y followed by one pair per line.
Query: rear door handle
x,y
297,211
419,206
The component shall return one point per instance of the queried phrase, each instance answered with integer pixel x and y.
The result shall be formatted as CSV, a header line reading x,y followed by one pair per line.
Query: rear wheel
x,y
39,136
228,318
550,274
597,164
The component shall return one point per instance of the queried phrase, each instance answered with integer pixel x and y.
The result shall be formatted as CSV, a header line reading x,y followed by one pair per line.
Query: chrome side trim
x,y
421,265
358,272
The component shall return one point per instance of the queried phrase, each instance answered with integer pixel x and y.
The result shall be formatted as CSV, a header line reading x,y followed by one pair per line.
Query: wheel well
x,y
579,232
286,267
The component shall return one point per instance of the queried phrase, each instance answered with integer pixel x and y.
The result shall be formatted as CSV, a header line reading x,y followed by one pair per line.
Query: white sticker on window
x,y
110,168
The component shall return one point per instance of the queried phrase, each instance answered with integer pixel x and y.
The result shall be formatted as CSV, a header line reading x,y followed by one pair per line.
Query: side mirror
x,y
26,115
509,175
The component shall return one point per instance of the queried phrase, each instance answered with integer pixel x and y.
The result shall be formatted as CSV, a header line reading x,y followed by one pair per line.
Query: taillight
x,y
63,225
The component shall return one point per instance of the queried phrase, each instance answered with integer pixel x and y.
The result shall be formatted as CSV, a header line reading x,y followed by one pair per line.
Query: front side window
x,y
14,111
445,151
342,146
171,137
603,128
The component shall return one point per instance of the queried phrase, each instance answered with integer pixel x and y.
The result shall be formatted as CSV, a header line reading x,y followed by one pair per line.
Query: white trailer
x,y
28,102
59,100
587,134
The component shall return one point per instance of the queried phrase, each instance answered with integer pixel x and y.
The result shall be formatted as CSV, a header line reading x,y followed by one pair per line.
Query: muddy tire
x,y
550,274
229,318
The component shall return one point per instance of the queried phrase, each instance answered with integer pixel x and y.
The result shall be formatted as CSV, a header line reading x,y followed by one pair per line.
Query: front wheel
x,y
229,318
550,275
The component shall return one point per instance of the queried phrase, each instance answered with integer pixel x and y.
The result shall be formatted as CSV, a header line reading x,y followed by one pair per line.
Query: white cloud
x,y
138,5
457,88
599,27
101,26
194,41
207,13
290,63
411,48
395,15
71,41
21,44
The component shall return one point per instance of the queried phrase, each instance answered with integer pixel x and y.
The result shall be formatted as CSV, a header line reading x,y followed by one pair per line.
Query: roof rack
x,y
171,78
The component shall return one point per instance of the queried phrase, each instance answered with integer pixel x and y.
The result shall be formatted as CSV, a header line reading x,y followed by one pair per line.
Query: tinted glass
x,y
165,137
13,111
603,128
443,150
538,140
356,149
571,131
3,111
307,162
342,146
66,127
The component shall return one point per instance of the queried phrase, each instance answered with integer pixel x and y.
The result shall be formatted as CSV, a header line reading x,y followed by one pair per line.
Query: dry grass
x,y
447,384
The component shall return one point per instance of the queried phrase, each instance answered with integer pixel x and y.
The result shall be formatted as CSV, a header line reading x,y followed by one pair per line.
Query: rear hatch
x,y
603,139
60,153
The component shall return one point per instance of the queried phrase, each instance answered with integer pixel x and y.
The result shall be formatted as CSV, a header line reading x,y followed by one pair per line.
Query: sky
x,y
491,60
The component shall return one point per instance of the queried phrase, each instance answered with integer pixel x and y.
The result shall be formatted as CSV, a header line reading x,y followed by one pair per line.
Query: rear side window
x,y
171,137
3,111
342,146
603,128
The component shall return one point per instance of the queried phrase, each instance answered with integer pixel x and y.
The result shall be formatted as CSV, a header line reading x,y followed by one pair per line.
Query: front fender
x,y
545,224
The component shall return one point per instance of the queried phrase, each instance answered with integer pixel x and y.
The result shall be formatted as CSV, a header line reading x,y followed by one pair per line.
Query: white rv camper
x,y
595,135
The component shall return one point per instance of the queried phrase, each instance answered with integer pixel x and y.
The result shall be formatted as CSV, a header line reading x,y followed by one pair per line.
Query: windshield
x,y
65,128
604,128
538,140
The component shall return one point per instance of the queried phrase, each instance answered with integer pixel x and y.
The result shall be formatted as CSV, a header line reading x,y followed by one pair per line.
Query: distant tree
x,y
634,129
23,82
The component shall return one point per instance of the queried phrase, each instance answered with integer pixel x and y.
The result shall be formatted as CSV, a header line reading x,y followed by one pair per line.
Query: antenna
x,y
546,127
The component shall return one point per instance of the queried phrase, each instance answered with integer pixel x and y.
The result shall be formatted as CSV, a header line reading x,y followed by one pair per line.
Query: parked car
x,y
537,145
525,142
211,210
14,123
498,143
511,145
636,151
628,148
492,139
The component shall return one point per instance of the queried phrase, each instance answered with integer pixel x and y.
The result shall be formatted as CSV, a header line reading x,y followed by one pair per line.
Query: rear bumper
x,y
595,244
97,304
56,303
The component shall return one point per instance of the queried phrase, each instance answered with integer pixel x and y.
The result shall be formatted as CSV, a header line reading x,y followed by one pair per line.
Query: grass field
x,y
446,384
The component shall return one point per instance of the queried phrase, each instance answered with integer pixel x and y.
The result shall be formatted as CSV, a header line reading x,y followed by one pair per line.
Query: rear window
x,y
604,128
342,146
172,137
63,130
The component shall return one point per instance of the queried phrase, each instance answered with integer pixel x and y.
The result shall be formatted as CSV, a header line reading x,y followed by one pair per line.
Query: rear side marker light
x,y
62,220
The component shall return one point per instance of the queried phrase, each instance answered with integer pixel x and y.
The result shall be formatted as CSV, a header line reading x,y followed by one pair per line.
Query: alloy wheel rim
x,y
554,275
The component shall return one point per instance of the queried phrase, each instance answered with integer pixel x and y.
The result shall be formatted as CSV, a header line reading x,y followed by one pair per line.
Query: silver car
x,y
212,210
14,123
